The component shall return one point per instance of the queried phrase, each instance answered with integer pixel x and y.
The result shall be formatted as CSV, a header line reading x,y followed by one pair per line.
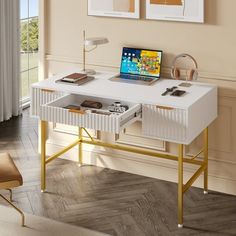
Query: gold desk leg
x,y
43,155
80,146
17,209
180,186
206,161
10,191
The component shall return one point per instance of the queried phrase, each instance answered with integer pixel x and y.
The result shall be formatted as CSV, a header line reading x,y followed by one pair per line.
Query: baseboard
x,y
143,165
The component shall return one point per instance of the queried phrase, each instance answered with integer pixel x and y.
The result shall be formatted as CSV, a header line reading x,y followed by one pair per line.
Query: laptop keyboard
x,y
136,77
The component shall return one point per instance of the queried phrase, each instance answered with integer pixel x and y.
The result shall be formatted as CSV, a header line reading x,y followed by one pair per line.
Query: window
x,y
29,46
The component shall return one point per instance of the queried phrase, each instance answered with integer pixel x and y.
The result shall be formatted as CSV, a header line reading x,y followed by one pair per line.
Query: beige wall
x,y
212,44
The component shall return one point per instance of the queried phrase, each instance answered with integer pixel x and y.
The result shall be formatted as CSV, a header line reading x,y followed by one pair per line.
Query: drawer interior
x,y
75,100
68,110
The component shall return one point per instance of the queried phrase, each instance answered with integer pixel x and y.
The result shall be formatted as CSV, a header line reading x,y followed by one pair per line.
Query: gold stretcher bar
x,y
198,154
58,154
194,177
141,151
180,158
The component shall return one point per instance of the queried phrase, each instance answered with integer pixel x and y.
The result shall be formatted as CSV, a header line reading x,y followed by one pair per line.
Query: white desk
x,y
173,119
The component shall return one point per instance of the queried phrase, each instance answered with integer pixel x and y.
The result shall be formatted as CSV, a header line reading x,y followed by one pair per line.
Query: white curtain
x,y
9,59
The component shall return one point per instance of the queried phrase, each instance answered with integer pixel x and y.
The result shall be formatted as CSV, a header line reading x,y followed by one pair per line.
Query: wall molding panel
x,y
132,136
166,70
71,130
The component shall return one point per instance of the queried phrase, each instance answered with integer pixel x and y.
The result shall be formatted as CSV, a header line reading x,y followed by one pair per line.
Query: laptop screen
x,y
141,62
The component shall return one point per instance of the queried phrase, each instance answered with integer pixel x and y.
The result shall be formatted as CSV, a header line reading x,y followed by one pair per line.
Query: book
x,y
72,78
76,83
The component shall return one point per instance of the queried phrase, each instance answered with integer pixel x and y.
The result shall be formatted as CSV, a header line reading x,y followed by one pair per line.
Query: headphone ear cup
x,y
176,73
172,72
193,74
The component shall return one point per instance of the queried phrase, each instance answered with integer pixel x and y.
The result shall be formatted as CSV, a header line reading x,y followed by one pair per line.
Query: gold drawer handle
x,y
47,90
164,107
81,112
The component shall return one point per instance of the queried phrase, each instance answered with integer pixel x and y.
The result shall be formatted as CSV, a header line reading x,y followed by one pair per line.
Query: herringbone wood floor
x,y
109,201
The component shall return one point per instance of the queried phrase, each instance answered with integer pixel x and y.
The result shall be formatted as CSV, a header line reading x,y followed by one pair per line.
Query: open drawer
x,y
57,111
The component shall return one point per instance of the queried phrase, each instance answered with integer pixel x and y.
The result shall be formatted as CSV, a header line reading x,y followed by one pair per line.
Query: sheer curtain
x,y
9,59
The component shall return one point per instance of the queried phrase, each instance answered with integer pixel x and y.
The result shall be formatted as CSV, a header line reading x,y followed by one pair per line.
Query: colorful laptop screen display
x,y
141,62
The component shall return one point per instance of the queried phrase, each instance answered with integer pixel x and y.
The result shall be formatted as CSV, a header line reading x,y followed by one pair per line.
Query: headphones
x,y
190,74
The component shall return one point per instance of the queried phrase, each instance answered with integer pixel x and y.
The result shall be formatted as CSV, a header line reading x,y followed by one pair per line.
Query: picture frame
x,y
114,8
175,10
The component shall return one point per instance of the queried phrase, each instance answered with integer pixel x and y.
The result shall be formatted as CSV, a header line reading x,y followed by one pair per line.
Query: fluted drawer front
x,y
165,123
40,97
56,112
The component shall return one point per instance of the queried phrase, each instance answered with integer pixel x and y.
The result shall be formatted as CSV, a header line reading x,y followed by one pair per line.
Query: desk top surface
x,y
101,86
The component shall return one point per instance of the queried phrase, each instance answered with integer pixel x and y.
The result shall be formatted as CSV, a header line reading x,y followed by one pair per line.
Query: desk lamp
x,y
91,42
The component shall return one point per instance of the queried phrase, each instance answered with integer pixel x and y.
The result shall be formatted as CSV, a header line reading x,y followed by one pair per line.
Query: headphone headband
x,y
184,55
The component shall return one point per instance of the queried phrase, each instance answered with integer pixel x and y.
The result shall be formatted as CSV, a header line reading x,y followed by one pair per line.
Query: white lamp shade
x,y
95,41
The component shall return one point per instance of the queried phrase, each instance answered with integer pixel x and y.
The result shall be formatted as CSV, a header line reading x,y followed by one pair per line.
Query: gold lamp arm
x,y
94,42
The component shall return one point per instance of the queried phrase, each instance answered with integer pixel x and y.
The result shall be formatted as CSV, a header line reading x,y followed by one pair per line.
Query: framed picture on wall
x,y
114,8
175,10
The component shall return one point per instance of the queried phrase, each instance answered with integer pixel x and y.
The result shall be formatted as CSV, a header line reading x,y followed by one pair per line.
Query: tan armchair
x,y
10,177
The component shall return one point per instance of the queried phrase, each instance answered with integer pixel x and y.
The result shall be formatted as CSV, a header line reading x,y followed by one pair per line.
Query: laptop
x,y
139,66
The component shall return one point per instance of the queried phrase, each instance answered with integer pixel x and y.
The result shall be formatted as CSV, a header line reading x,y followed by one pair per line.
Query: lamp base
x,y
185,84
89,72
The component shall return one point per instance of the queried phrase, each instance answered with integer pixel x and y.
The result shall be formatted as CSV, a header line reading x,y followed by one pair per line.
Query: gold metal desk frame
x,y
182,188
